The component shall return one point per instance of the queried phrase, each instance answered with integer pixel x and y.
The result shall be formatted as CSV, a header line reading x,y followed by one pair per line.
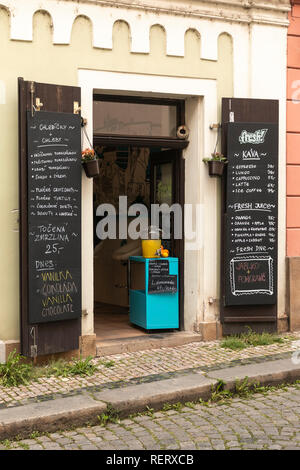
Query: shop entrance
x,y
135,169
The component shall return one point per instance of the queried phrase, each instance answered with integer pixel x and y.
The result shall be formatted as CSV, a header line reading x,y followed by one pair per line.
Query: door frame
x,y
201,102
178,196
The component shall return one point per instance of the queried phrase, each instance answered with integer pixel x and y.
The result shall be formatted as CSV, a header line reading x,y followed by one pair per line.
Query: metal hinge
x,y
33,351
76,107
33,347
38,104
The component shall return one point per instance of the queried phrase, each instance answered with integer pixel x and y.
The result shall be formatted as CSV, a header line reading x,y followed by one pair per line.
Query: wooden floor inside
x,y
112,322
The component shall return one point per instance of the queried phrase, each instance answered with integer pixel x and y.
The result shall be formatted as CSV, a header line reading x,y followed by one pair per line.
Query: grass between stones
x,y
245,340
16,371
220,396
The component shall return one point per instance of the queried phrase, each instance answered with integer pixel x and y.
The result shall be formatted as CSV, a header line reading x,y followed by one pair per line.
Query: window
x,y
136,117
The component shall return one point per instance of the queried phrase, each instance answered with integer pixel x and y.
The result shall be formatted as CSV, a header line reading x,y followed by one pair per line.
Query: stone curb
x,y
264,373
49,416
82,409
136,398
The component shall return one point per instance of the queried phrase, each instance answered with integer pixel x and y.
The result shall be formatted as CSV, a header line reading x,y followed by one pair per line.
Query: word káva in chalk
x,y
54,216
251,214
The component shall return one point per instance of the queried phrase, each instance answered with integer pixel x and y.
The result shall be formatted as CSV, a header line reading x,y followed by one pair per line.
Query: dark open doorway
x,y
146,169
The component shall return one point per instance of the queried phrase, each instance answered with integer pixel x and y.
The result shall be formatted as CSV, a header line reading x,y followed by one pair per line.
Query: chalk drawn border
x,y
237,292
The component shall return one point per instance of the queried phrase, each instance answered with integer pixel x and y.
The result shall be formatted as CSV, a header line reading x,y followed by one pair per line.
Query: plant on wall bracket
x,y
216,164
89,162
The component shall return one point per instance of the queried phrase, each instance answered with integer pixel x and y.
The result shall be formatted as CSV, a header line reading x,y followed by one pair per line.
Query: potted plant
x,y
216,164
89,162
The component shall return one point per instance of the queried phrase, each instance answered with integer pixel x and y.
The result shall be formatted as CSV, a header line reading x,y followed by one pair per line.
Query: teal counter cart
x,y
156,305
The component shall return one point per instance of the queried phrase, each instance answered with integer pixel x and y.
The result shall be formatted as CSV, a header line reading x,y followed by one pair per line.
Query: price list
x,y
54,216
251,214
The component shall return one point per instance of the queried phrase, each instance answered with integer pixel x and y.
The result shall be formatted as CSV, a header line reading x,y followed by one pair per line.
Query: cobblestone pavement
x,y
270,421
134,366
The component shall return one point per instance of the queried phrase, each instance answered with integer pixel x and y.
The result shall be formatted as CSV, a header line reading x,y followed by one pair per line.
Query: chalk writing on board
x,y
159,284
158,267
257,137
54,219
251,276
251,214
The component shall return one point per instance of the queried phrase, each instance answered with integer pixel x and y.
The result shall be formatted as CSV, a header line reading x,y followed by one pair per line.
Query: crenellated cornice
x,y
209,17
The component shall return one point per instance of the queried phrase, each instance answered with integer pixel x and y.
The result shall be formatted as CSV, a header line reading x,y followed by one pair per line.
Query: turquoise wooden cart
x,y
156,305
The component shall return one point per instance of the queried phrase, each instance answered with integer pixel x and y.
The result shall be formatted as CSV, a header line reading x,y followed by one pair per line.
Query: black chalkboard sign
x,y
158,267
160,281
251,214
159,284
54,216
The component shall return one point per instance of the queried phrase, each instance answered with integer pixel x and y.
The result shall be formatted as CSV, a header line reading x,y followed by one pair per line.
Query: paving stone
x,y
138,365
258,421
205,437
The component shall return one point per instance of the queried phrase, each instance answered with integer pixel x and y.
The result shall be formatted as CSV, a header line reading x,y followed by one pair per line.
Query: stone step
x,y
145,342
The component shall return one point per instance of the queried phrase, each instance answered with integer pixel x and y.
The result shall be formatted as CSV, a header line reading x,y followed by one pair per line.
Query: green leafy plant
x,y
82,367
15,371
110,416
216,157
61,368
243,388
24,445
190,404
173,406
35,435
245,340
219,392
57,368
261,339
107,364
149,411
234,343
6,443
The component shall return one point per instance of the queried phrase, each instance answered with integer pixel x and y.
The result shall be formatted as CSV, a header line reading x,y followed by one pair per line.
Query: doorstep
x,y
144,342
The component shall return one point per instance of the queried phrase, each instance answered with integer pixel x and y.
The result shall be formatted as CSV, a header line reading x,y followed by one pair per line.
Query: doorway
x,y
144,170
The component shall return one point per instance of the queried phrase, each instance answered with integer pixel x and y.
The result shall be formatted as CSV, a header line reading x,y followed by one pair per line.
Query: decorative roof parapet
x,y
209,17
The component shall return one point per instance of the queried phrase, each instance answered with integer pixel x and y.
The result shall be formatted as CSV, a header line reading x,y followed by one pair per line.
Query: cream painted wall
x,y
42,61
273,87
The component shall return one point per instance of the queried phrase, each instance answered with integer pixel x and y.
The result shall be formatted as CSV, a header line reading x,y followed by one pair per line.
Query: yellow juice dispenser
x,y
151,243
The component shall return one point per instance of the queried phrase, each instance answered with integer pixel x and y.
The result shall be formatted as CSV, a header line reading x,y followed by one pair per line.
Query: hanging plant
x,y
216,164
89,162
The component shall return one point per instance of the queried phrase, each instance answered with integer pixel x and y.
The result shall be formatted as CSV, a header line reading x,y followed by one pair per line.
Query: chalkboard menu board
x,y
54,216
160,281
158,267
251,214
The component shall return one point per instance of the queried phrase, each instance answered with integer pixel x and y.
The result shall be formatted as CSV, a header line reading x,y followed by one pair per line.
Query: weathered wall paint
x,y
43,61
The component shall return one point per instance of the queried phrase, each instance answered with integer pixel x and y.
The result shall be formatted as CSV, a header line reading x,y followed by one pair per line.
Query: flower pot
x,y
216,168
91,168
